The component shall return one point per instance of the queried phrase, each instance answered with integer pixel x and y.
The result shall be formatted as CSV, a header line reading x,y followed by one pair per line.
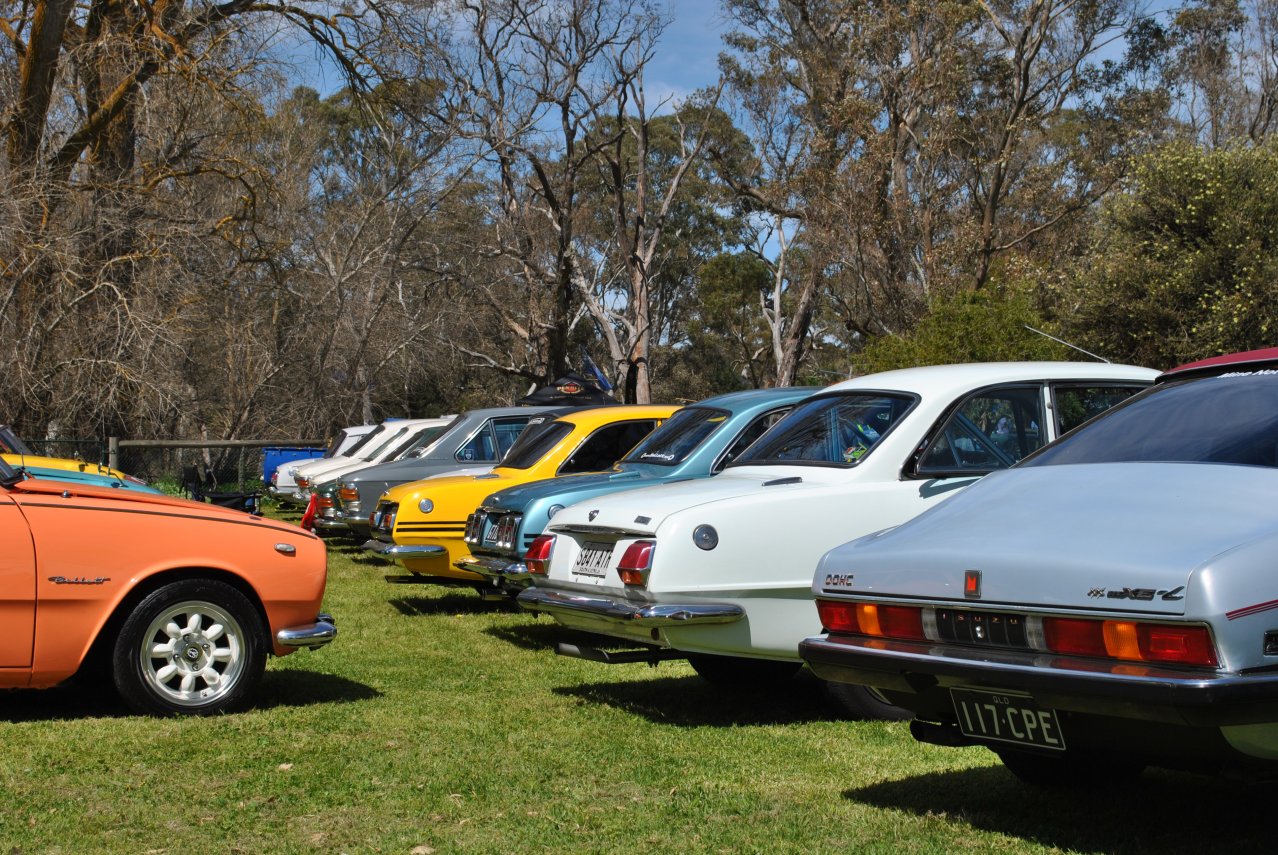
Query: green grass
x,y
437,722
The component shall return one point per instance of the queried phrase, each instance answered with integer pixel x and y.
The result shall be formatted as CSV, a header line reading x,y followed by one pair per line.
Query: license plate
x,y
1006,718
593,559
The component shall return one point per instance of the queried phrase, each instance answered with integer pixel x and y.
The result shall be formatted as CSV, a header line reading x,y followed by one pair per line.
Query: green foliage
x,y
1185,263
986,326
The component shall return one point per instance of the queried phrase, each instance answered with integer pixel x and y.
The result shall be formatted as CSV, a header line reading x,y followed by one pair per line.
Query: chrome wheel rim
x,y
192,654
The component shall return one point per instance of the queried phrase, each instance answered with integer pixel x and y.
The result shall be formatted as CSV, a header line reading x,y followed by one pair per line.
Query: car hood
x,y
407,469
1113,536
655,504
36,489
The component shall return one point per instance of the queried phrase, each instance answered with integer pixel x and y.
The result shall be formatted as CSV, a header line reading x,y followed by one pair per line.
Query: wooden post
x,y
113,452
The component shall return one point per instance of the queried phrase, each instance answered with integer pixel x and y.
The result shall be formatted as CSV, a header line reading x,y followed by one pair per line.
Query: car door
x,y
17,587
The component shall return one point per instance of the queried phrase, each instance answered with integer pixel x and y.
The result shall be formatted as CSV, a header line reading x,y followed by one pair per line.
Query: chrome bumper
x,y
634,614
331,525
395,550
312,635
497,569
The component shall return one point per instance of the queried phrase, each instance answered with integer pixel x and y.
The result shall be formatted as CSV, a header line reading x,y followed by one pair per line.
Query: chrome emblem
x,y
592,515
78,580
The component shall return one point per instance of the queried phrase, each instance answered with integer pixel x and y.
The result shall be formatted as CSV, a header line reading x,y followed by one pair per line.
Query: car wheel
x,y
195,647
862,702
1069,771
741,671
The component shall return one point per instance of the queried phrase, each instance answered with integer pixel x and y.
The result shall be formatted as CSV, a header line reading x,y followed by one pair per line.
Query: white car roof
x,y
939,379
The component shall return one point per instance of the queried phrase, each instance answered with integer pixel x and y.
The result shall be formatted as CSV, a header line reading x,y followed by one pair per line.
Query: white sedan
x,y
720,570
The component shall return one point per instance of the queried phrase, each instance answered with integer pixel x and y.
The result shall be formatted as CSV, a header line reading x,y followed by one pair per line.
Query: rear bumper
x,y
312,635
499,570
332,526
626,613
920,674
395,550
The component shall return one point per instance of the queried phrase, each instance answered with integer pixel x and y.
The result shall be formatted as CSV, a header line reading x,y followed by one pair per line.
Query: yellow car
x,y
21,461
421,523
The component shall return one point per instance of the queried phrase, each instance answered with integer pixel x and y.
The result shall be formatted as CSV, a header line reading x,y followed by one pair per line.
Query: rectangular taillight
x,y
899,622
1132,641
348,493
635,562
537,558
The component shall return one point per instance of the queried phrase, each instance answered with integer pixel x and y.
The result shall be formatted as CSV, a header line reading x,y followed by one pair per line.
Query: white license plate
x,y
593,559
1006,718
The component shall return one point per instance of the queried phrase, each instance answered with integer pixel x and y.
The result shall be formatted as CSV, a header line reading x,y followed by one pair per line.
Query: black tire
x,y
1070,771
742,672
217,650
862,702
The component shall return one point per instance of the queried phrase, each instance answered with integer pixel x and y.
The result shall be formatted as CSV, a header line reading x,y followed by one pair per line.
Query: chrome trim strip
x,y
634,614
581,528
395,550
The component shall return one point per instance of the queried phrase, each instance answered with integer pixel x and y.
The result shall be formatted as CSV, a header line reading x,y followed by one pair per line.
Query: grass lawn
x,y
440,723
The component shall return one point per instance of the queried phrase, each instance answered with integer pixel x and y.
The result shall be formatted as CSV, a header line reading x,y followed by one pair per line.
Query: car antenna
x,y
1067,344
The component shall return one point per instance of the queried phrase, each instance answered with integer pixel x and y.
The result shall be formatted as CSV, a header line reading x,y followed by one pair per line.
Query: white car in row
x,y
390,439
720,570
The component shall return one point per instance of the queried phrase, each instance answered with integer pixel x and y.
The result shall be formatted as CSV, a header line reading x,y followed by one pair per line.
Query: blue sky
x,y
687,54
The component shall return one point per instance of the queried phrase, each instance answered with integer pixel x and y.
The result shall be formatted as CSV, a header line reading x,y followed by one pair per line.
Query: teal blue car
x,y
76,477
696,442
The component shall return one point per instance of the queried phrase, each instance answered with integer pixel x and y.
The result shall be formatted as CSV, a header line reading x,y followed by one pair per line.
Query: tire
x,y
1070,771
742,672
194,647
862,702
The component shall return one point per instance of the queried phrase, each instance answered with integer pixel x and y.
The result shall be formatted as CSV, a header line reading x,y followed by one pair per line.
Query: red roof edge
x,y
1246,357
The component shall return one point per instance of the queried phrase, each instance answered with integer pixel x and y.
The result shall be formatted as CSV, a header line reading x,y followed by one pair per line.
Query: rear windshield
x,y
533,444
831,430
425,448
394,434
1226,419
678,436
357,449
416,441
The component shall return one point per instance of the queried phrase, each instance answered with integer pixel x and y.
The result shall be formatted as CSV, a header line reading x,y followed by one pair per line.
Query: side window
x,y
480,448
507,431
1076,404
990,430
746,438
606,446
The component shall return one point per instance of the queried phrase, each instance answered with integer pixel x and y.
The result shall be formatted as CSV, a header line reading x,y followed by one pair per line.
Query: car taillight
x,y
902,622
1130,640
636,562
348,493
324,502
303,482
537,558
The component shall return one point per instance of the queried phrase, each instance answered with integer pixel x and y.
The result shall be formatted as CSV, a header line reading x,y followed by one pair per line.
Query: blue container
x,y
273,456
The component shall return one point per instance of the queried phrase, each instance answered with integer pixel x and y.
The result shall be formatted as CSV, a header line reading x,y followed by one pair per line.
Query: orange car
x,y
181,601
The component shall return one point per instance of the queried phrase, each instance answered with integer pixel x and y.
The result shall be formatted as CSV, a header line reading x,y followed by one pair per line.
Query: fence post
x,y
113,452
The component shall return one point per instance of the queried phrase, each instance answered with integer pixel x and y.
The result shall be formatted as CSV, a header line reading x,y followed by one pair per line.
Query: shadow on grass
x,y
1159,812
545,636
451,604
692,702
95,698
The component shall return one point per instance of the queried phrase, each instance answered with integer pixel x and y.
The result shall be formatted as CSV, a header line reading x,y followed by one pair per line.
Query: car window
x,y
750,435
1225,419
606,446
830,430
383,442
678,436
990,430
1076,404
361,446
507,431
534,442
414,441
